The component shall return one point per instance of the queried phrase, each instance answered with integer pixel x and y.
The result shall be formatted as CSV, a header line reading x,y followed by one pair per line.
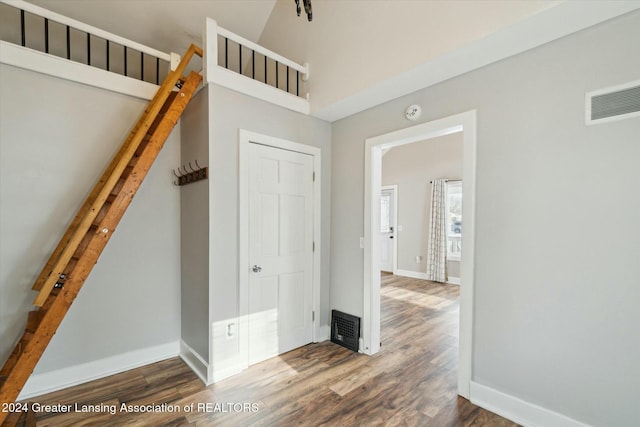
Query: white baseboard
x,y
195,361
221,374
48,382
325,333
423,276
518,410
411,274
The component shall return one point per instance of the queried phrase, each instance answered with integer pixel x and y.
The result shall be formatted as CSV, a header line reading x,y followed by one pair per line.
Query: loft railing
x,y
40,29
259,63
242,65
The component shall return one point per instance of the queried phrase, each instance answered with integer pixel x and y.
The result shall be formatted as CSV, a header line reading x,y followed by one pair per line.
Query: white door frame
x,y
245,138
465,122
394,245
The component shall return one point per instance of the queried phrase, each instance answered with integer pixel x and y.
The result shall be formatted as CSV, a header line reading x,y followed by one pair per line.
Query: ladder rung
x,y
26,337
15,354
11,361
116,188
103,211
33,320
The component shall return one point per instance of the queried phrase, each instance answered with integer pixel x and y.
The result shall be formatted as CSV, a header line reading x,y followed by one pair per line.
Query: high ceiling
x,y
361,52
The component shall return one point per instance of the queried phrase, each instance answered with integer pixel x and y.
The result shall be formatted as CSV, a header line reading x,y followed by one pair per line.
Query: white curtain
x,y
437,245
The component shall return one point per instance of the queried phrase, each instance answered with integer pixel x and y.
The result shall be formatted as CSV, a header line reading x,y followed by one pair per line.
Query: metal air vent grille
x,y
615,103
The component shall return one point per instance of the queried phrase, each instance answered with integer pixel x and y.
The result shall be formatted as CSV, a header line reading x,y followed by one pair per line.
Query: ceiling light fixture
x,y
307,8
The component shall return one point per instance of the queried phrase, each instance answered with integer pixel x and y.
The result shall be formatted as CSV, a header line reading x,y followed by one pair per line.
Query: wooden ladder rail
x,y
124,169
70,241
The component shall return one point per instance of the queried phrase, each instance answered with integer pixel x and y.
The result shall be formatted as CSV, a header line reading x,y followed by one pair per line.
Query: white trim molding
x,y
78,25
195,361
48,382
411,274
423,276
44,63
463,122
453,280
213,73
518,410
324,334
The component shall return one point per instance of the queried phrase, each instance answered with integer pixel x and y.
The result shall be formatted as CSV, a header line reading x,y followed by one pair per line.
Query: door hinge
x,y
313,316
314,177
313,247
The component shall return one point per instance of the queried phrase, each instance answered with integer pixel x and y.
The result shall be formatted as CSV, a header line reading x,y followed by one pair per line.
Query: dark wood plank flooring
x,y
410,382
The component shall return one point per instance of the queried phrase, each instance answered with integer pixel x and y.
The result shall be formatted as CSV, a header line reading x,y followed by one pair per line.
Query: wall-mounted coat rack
x,y
190,175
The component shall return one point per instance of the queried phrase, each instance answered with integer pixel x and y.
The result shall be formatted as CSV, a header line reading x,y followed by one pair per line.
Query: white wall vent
x,y
613,103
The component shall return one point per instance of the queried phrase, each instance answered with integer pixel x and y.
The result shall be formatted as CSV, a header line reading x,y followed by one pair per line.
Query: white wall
x,y
56,137
194,227
556,293
352,45
411,167
230,111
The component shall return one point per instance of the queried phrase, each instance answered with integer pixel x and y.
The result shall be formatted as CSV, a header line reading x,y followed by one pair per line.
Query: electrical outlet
x,y
418,259
362,243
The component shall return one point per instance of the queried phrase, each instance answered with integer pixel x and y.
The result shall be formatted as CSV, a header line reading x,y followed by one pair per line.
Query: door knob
x,y
391,237
257,269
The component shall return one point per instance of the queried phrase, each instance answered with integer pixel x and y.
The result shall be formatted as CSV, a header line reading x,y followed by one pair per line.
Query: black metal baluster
x,y
277,79
287,78
46,35
88,49
108,69
142,66
265,69
68,42
297,83
253,64
240,57
157,70
226,53
125,61
22,29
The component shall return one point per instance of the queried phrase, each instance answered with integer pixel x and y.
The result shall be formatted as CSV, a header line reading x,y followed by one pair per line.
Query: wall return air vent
x,y
614,103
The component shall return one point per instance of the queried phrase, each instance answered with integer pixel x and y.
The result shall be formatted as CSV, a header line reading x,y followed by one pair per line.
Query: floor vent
x,y
614,103
345,329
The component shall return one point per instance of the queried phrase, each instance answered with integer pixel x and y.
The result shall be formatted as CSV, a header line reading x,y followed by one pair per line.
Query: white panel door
x,y
281,251
387,227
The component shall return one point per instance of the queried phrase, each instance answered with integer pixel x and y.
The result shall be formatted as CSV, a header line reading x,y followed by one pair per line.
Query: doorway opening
x,y
466,123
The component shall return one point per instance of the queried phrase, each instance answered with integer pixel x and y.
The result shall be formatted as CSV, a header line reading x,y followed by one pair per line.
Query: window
x,y
454,220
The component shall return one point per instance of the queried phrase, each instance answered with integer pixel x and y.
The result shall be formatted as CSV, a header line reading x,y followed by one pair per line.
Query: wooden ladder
x,y
78,251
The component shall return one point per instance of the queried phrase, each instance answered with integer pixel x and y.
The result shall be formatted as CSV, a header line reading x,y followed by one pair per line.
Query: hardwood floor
x,y
410,382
